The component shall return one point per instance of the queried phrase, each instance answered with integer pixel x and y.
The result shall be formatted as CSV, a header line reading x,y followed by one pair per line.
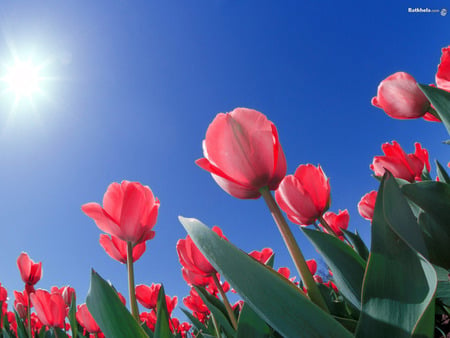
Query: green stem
x,y
131,289
55,332
225,301
294,250
30,334
327,226
216,326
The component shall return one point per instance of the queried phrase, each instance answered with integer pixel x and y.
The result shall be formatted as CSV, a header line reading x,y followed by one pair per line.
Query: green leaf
x,y
251,325
195,322
72,317
217,309
358,244
436,239
162,328
432,197
442,173
21,331
347,266
399,284
443,285
440,99
271,296
108,311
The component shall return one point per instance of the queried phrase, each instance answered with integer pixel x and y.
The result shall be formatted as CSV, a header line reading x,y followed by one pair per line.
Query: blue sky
x,y
132,88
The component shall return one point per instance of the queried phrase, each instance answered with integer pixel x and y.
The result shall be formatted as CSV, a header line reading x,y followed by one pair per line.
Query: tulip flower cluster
x,y
399,287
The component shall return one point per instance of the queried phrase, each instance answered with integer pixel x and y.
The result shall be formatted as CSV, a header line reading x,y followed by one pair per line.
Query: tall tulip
x,y
406,166
243,153
129,213
30,272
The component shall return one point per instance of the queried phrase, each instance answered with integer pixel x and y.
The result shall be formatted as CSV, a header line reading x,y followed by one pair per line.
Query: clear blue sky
x,y
134,87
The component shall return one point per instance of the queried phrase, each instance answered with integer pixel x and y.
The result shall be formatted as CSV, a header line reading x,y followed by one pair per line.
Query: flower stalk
x,y
225,301
131,287
327,226
294,250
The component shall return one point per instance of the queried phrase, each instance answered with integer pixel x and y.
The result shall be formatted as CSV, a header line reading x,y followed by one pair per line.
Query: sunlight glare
x,y
23,79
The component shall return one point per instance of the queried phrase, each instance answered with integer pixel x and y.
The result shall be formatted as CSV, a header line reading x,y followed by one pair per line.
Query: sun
x,y
23,79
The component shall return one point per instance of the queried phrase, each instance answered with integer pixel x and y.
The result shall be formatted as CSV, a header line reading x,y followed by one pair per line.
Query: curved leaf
x,y
399,284
440,99
108,311
358,244
272,297
347,266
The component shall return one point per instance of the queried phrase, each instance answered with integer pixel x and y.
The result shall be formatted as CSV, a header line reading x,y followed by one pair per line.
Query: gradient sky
x,y
132,86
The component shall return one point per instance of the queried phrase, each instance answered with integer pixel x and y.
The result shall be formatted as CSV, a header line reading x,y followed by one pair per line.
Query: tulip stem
x,y
294,250
225,301
327,226
131,289
28,315
55,332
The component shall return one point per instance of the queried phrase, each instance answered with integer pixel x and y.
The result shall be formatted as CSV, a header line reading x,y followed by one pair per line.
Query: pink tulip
x,y
3,293
86,320
263,255
243,153
443,72
406,166
30,272
117,249
147,296
129,212
400,97
304,196
366,205
192,259
50,308
337,221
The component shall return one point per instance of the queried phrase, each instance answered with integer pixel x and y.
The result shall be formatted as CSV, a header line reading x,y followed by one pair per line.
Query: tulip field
x,y
397,287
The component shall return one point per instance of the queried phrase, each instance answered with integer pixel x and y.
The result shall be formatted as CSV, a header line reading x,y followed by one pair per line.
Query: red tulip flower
x,y
66,292
366,205
86,320
30,272
117,249
3,293
50,308
149,318
243,153
129,212
443,72
312,266
400,97
304,196
406,166
195,303
192,259
262,256
147,296
337,222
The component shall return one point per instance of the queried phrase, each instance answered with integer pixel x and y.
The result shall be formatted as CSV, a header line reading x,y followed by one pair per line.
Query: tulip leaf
x,y
347,266
72,316
442,173
436,239
399,283
217,309
197,324
433,198
108,311
358,244
276,300
443,286
440,99
251,325
162,328
21,331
